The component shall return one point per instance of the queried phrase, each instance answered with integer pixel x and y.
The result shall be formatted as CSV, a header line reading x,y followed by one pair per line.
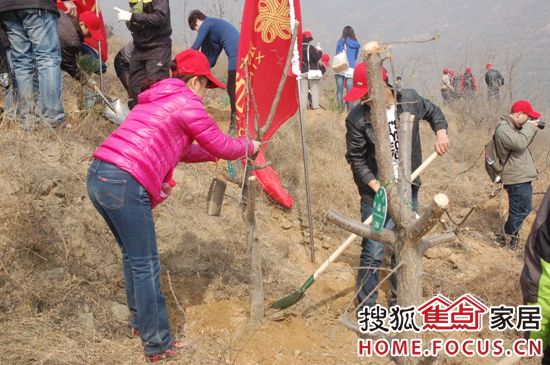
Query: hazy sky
x,y
511,34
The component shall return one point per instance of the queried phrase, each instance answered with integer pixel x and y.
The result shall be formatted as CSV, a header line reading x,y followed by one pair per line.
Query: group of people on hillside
x,y
46,37
38,41
314,59
132,170
456,86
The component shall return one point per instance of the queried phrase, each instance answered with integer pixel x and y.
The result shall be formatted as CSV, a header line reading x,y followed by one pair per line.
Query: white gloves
x,y
123,15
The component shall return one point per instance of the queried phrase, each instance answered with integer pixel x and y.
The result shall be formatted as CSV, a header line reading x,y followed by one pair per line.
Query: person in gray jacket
x,y
513,135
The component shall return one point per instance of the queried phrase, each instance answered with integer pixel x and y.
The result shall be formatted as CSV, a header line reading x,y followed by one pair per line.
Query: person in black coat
x,y
310,61
151,29
360,155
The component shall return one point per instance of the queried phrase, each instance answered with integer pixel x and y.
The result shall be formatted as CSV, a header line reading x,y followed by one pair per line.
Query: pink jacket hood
x,y
159,132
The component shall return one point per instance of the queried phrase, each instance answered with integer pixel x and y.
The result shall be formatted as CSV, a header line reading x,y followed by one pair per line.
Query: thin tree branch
x,y
430,217
463,220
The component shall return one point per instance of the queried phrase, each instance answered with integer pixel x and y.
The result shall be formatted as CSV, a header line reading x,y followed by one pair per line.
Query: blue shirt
x,y
352,50
217,34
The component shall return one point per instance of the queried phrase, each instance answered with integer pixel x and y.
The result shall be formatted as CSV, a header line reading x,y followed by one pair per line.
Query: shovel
x,y
215,197
115,110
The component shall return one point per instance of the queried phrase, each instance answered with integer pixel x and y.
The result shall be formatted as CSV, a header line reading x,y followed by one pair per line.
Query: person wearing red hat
x,y
468,83
92,35
513,135
361,157
90,25
75,53
446,88
70,39
310,61
325,59
324,63
494,81
132,173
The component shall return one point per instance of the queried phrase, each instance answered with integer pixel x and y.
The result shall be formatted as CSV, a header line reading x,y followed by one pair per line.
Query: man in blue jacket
x,y
31,26
214,35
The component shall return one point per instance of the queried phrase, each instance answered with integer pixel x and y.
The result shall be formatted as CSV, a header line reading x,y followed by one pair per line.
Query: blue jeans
x,y
520,204
370,260
125,206
340,90
35,53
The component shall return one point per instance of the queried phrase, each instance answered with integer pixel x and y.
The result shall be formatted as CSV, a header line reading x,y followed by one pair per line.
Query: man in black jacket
x,y
149,22
361,156
31,26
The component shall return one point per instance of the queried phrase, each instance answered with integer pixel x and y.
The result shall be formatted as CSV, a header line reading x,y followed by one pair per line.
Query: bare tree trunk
x,y
408,243
257,309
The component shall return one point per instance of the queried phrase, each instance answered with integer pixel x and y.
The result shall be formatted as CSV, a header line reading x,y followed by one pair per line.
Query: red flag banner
x,y
90,5
264,43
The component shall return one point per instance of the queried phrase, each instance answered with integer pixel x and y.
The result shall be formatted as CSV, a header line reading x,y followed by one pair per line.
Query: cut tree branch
x,y
384,236
430,217
428,242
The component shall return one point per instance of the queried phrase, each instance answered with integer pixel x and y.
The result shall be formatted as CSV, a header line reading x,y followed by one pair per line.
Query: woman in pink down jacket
x,y
132,173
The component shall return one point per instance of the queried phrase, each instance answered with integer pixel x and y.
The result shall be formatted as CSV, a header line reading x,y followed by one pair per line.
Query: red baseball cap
x,y
326,59
91,21
360,86
488,66
307,33
524,106
193,62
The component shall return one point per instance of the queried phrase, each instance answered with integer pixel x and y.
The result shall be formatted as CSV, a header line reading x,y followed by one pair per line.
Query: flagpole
x,y
306,172
297,71
99,49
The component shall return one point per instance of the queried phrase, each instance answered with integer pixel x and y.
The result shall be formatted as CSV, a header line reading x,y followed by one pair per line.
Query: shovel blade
x,y
288,300
116,111
216,194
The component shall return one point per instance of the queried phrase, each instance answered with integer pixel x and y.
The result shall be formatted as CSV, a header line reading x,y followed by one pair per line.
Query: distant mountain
x,y
512,35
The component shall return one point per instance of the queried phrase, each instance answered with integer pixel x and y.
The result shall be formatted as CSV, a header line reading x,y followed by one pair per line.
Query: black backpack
x,y
493,164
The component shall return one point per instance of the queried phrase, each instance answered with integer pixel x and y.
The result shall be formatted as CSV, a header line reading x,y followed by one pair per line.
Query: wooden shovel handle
x,y
352,236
